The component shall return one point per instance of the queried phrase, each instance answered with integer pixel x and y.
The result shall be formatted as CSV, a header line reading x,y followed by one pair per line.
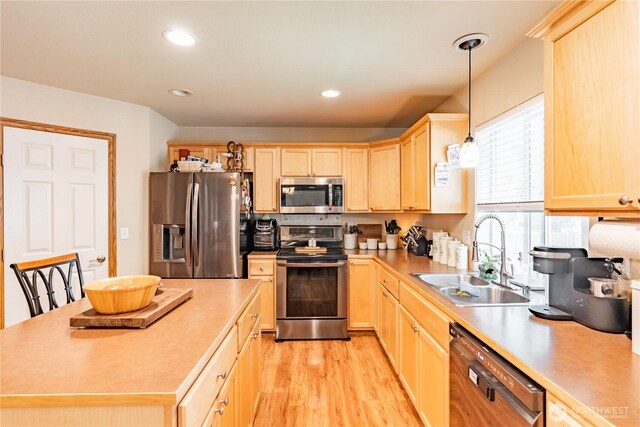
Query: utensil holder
x,y
392,241
350,241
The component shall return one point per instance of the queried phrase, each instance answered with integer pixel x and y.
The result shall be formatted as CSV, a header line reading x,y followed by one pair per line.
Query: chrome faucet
x,y
504,276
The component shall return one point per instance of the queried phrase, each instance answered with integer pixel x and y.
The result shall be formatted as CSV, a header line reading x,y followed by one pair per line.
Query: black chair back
x,y
29,272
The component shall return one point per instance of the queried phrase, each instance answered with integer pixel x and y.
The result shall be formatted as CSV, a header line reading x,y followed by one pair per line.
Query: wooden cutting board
x,y
311,250
370,231
165,300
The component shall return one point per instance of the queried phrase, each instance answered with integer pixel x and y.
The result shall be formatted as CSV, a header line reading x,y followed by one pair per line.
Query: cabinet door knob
x,y
219,410
222,374
225,401
625,200
255,335
261,269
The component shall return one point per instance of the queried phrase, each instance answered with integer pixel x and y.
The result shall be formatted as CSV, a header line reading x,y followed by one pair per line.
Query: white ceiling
x,y
262,63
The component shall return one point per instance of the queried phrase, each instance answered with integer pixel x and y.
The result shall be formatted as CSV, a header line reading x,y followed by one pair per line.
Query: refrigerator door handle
x,y
194,224
187,229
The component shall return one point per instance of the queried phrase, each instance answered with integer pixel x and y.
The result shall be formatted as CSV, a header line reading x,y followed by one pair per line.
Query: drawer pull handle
x,y
225,401
261,269
222,374
220,410
625,200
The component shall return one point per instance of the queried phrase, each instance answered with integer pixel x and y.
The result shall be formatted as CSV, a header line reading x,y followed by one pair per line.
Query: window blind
x,y
511,169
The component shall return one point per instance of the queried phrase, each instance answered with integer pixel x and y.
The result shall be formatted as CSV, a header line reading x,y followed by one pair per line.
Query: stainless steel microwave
x,y
311,195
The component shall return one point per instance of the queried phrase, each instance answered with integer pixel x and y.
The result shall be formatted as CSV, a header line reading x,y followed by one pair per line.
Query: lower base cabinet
x,y
388,324
433,400
361,295
408,369
223,411
249,369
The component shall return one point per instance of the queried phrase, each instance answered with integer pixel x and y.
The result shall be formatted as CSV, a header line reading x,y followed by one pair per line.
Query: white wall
x,y
515,78
137,129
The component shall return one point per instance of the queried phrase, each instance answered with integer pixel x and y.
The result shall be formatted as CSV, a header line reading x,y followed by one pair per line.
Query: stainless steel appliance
x,y
311,195
265,234
311,288
570,296
486,390
195,221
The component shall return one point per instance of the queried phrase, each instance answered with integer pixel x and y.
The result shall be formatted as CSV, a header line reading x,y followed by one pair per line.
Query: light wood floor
x,y
331,383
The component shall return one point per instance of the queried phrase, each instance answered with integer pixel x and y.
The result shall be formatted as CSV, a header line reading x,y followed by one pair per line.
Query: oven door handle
x,y
312,264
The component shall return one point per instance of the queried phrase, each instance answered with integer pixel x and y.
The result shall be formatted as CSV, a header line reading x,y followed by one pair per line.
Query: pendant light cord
x,y
469,121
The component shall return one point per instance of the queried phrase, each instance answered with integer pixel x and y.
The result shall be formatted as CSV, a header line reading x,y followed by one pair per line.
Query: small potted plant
x,y
489,266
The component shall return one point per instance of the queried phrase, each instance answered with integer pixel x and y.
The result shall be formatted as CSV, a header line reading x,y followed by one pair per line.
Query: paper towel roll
x,y
616,238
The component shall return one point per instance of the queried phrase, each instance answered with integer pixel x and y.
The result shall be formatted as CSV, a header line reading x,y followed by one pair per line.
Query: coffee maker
x,y
569,297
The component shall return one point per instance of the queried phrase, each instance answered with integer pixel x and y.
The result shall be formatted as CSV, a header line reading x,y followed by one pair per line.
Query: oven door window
x,y
312,292
304,195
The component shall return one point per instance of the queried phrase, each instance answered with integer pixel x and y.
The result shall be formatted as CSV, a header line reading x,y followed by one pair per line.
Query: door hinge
x,y
2,160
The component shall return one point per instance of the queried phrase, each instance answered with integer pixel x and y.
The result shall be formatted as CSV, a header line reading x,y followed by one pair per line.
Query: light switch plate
x,y
124,233
466,237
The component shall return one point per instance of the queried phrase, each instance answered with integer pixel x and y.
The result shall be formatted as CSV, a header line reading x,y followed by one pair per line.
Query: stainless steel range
x,y
311,286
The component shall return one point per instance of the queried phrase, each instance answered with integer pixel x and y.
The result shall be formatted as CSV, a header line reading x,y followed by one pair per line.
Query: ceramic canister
x,y
436,236
442,249
462,257
451,252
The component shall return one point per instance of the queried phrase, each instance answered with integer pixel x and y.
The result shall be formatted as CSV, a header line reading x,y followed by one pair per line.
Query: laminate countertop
x,y
45,362
596,373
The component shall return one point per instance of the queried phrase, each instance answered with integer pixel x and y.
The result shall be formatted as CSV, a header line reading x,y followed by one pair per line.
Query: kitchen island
x,y
52,374
594,374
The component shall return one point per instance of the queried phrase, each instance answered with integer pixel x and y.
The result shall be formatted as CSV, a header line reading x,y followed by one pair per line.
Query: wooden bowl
x,y
121,294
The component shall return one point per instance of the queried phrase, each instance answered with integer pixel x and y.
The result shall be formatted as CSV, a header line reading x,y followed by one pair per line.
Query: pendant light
x,y
469,153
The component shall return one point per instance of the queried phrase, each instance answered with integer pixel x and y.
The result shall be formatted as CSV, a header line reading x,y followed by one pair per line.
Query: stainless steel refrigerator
x,y
195,225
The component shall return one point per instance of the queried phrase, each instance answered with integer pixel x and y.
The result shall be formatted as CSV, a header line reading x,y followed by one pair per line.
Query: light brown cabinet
x,y
206,151
433,400
263,269
223,411
424,356
209,152
592,79
423,146
249,365
384,177
408,369
265,179
356,165
311,162
388,324
361,295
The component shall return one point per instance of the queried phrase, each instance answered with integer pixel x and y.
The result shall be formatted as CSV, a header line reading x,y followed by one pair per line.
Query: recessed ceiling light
x,y
180,92
330,93
181,38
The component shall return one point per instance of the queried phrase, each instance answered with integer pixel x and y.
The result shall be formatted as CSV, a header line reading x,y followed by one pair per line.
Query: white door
x,y
56,202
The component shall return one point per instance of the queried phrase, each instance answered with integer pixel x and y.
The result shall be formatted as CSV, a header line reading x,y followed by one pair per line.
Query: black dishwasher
x,y
486,390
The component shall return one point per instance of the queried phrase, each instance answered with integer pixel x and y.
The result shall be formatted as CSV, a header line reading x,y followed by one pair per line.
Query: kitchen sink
x,y
448,280
469,290
487,295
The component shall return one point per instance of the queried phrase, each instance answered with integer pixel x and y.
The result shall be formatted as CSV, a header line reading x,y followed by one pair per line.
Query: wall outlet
x,y
124,233
466,237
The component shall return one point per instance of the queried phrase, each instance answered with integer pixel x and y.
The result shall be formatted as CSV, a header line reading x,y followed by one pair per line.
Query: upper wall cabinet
x,y
311,162
356,179
265,179
209,151
425,145
592,152
384,177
